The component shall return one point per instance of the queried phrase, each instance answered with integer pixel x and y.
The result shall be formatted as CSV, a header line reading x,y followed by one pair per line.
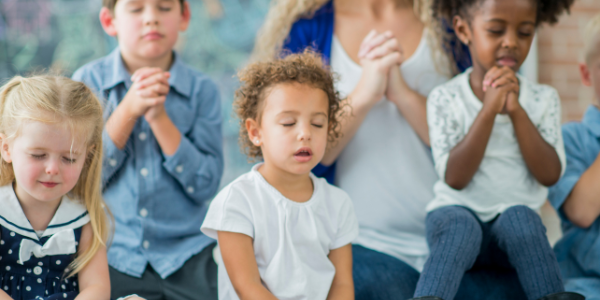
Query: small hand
x,y
501,88
150,88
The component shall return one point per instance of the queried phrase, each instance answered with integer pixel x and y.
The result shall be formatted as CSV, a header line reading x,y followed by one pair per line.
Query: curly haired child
x,y
282,232
497,146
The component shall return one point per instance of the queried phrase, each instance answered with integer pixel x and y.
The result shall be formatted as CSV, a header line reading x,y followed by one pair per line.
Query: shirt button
x,y
37,271
112,162
142,136
179,169
144,172
146,244
190,189
143,212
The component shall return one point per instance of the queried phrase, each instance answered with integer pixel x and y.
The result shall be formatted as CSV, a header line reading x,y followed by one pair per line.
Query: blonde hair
x,y
591,39
56,99
284,13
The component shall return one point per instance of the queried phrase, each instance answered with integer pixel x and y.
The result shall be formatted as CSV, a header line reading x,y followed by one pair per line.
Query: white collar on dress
x,y
70,214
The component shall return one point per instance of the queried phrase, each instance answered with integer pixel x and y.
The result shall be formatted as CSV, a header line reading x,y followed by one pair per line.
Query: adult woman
x,y
383,160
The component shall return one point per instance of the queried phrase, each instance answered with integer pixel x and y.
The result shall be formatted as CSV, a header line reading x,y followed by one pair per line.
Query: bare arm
x,y
466,156
166,133
411,104
342,287
369,90
94,281
582,206
540,157
238,256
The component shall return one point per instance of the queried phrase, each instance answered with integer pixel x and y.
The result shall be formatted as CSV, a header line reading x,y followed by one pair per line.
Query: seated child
x,y
577,195
282,232
497,145
53,227
163,157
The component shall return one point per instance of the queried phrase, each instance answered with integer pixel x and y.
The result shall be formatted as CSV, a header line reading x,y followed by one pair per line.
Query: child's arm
x,y
540,157
4,296
150,88
466,156
94,281
342,286
582,206
238,256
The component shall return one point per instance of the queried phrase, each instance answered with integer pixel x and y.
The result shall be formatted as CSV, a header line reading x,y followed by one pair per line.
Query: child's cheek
x,y
71,175
28,173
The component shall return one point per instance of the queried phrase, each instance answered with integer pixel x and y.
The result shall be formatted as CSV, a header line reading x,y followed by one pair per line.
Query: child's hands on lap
x,y
149,91
501,88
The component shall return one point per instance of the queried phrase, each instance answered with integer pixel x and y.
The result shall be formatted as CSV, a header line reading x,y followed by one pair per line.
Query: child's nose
x,y
305,133
150,17
52,167
510,40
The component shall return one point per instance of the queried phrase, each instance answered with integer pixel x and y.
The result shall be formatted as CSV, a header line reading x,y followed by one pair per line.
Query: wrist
x,y
516,112
157,117
361,101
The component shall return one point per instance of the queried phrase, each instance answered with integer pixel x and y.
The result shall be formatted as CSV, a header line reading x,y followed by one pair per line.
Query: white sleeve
x,y
229,211
347,224
445,128
549,125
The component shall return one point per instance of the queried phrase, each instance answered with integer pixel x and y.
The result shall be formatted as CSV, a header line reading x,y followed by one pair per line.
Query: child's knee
x,y
455,221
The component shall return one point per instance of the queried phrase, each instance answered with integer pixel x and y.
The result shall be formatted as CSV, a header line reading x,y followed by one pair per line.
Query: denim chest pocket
x,y
181,112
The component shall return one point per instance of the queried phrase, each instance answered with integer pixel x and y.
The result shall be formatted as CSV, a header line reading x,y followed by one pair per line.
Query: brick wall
x,y
559,53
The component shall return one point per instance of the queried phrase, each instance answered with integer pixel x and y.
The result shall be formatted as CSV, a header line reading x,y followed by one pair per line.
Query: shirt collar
x,y
119,74
69,215
591,120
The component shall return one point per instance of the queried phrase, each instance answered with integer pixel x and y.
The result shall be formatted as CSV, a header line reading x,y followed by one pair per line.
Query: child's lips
x,y
49,184
304,154
152,36
507,61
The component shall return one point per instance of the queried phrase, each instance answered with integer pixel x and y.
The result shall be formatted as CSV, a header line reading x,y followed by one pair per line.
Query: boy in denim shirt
x,y
577,195
162,152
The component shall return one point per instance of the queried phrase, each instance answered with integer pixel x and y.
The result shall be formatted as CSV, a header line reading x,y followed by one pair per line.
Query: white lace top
x,y
503,180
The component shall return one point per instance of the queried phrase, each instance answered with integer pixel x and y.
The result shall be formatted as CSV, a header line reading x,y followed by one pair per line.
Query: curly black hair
x,y
548,11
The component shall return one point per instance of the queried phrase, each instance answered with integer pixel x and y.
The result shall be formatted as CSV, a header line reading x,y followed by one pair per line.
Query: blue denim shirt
x,y
578,252
159,201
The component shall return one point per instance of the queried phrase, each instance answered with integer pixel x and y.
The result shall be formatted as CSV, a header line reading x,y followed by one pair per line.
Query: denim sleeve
x,y
113,157
576,166
198,162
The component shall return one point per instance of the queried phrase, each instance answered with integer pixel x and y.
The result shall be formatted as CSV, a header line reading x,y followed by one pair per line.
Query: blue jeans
x,y
378,276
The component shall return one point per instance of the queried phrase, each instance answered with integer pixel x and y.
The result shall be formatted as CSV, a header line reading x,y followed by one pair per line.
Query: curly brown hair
x,y
258,78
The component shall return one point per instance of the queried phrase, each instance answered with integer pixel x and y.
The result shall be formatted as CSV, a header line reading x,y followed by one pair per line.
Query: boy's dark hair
x,y
257,79
548,11
110,4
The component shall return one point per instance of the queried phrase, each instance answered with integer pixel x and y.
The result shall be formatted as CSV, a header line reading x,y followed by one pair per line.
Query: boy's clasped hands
x,y
148,93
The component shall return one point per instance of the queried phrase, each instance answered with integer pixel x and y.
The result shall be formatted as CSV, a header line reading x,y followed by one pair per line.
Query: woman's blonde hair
x,y
57,99
284,13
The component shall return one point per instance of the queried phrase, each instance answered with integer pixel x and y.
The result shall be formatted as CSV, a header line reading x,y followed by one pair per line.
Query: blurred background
x,y
65,34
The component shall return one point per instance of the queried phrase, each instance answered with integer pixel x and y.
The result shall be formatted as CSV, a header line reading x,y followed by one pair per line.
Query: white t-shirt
x,y
502,180
386,169
291,240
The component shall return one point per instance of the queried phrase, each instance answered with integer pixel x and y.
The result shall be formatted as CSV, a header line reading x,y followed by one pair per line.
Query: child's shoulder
x,y
191,81
536,90
97,70
452,89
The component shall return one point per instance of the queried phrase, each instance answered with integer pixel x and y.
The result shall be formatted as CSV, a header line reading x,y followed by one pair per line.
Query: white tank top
x,y
386,169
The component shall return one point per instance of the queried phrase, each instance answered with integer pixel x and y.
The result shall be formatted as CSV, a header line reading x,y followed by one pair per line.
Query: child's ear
x,y
462,29
107,21
4,148
186,15
584,72
253,132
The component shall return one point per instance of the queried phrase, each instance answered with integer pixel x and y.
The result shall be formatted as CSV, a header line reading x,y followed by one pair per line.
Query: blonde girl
x,y
53,223
389,59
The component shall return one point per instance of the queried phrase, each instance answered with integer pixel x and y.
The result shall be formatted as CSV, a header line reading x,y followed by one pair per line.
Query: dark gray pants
x,y
196,280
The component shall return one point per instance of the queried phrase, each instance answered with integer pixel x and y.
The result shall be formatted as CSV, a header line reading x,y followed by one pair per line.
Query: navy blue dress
x,y
33,267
